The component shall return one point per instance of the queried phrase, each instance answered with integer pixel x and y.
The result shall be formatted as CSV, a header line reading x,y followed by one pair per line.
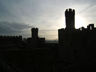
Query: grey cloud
x,y
39,13
12,28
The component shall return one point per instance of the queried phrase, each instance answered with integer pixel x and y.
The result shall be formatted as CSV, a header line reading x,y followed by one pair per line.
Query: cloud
x,y
44,14
12,28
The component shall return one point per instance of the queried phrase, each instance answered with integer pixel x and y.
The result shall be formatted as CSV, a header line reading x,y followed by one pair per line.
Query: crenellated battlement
x,y
69,12
70,19
10,37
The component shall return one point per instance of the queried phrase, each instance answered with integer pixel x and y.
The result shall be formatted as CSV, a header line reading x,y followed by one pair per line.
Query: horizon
x,y
18,17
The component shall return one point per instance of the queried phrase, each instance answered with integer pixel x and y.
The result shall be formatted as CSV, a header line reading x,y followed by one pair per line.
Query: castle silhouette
x,y
74,52
77,45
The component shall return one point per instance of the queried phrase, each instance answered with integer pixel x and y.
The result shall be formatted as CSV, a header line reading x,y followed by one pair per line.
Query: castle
x,y
74,52
77,45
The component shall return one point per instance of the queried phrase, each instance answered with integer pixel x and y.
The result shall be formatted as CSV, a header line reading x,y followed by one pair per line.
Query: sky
x,y
17,17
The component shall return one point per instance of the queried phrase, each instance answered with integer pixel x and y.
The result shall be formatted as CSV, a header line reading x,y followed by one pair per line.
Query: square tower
x,y
70,19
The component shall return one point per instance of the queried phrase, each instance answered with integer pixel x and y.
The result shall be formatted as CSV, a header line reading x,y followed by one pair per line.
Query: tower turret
x,y
70,19
34,32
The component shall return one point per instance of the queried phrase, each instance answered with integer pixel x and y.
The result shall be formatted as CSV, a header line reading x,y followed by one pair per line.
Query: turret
x,y
70,19
34,32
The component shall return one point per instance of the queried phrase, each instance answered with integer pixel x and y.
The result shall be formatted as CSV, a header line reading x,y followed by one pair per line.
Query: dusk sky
x,y
17,17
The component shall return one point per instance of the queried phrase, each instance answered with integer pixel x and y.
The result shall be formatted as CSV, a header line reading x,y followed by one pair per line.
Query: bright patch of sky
x,y
47,15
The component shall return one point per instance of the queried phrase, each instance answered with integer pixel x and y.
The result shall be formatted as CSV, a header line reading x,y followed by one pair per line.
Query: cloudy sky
x,y
17,17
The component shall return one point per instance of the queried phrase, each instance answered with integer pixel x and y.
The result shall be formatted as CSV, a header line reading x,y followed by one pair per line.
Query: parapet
x,y
69,12
90,27
11,37
36,29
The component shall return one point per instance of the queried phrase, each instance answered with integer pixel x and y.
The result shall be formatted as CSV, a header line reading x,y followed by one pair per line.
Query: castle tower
x,y
34,32
70,19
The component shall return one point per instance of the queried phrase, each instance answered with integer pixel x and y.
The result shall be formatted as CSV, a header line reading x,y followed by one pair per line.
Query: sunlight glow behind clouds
x,y
80,22
46,14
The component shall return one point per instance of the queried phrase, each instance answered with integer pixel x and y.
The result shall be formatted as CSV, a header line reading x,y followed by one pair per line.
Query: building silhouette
x,y
35,41
77,46
74,52
34,33
10,42
70,19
